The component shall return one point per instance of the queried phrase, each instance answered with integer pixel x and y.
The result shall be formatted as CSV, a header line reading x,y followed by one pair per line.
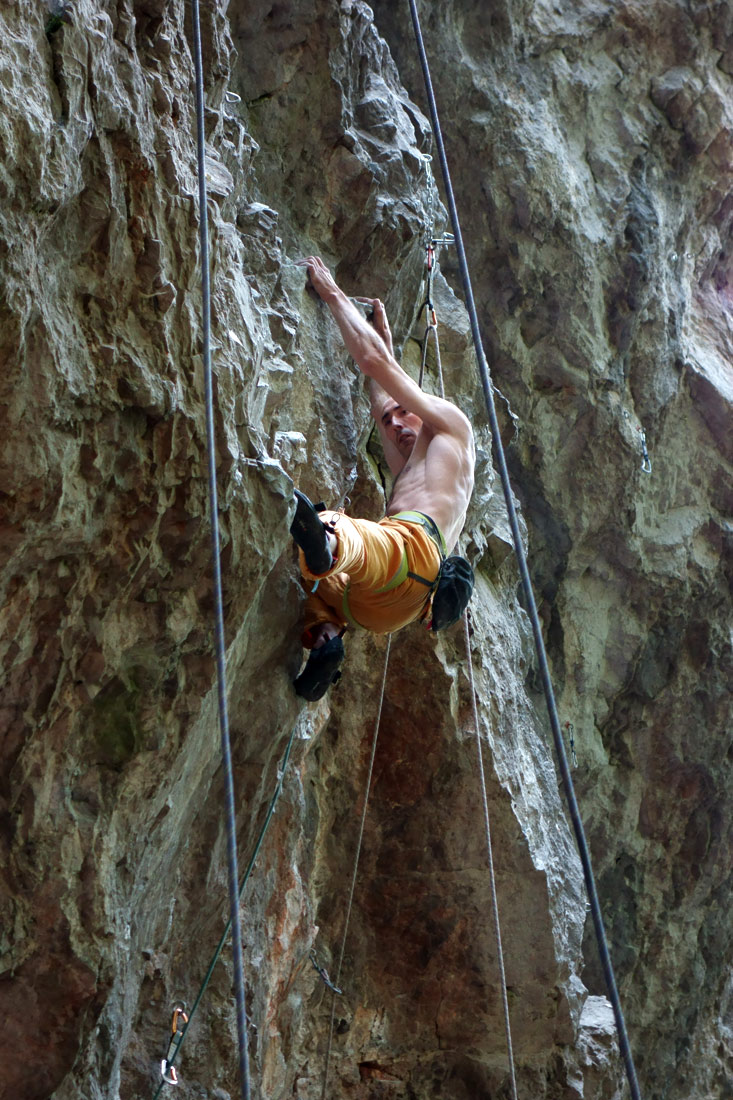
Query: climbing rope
x,y
173,1053
226,751
337,980
483,369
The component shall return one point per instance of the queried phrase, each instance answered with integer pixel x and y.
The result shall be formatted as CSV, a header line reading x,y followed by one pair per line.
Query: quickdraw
x,y
571,734
167,1069
431,324
431,262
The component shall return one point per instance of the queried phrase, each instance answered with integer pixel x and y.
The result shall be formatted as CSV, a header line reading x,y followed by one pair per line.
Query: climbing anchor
x,y
168,1071
323,974
646,462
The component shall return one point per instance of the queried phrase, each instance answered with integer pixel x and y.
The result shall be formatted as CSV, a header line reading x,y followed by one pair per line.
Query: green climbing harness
x,y
452,588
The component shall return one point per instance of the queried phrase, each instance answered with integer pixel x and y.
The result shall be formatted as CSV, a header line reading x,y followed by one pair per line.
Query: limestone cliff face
x,y
591,145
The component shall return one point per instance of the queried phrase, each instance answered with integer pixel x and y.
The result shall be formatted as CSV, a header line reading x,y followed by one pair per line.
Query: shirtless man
x,y
380,575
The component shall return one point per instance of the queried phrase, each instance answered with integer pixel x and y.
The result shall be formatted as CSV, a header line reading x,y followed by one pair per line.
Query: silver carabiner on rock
x,y
168,1074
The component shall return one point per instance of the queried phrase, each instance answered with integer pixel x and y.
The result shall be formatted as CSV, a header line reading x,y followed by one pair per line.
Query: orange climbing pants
x,y
368,584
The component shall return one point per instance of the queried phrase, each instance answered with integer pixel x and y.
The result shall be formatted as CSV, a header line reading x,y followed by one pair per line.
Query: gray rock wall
x,y
592,151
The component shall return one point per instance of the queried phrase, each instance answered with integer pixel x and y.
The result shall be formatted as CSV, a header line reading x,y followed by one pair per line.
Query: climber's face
x,y
400,426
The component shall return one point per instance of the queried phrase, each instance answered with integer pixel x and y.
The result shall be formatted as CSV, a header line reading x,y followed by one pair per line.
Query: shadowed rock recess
x,y
592,155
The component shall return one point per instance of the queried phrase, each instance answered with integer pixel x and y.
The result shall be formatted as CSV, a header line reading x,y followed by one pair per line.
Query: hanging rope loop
x,y
432,330
483,368
490,859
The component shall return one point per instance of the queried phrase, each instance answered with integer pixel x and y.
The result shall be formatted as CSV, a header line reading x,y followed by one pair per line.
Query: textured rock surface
x,y
592,152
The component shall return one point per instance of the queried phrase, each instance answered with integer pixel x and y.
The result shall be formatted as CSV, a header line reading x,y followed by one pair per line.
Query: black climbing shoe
x,y
321,671
309,531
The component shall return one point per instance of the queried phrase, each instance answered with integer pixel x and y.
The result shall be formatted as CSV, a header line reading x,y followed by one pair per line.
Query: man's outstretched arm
x,y
370,351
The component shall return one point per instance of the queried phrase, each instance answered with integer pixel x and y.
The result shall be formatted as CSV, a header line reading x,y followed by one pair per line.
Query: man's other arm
x,y
374,360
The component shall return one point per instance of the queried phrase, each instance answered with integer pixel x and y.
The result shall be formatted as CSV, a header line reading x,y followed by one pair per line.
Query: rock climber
x,y
381,575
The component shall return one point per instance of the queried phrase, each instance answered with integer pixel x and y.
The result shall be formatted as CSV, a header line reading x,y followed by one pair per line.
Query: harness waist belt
x,y
404,571
429,524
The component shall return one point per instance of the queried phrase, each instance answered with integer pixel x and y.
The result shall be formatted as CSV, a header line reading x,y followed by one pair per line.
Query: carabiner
x,y
168,1074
